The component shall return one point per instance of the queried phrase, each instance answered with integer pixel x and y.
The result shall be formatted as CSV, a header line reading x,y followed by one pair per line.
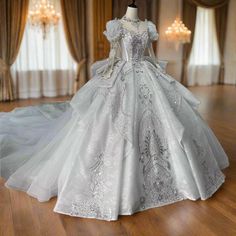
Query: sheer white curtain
x,y
204,63
44,67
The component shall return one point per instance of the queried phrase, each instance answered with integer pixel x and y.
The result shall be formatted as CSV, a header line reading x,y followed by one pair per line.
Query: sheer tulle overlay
x,y
129,140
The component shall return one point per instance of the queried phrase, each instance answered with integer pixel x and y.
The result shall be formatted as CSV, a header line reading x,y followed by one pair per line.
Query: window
x,y
44,67
204,60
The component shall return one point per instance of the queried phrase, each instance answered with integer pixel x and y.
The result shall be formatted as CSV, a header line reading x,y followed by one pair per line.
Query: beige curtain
x,y
209,3
73,14
13,15
221,16
189,19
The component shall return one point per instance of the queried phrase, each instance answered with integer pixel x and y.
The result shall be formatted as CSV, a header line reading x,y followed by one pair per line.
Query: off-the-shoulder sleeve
x,y
152,31
113,30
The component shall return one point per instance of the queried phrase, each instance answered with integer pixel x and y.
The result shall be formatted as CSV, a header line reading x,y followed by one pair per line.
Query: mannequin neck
x,y
132,13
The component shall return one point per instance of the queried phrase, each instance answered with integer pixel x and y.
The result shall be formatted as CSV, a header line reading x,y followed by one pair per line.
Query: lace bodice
x,y
128,44
133,45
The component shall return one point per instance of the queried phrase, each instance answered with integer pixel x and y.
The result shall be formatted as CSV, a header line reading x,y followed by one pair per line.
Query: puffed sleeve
x,y
152,31
113,30
113,34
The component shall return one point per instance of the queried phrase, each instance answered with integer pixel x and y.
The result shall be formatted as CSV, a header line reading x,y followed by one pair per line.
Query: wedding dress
x,y
129,140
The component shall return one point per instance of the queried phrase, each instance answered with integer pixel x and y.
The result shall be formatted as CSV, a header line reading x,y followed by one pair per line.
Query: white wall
x,y
169,10
230,46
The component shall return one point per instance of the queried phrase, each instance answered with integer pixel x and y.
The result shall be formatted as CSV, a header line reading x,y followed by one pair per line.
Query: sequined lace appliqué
x,y
96,201
212,176
136,118
135,43
159,186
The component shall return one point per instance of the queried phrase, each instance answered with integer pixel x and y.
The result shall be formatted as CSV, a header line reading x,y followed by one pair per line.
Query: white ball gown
x,y
129,140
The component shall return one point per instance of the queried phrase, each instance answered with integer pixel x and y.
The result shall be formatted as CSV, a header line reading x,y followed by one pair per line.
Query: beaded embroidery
x,y
133,110
212,176
159,184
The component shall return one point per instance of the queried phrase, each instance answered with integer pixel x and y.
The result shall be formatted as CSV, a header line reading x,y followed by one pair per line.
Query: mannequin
x,y
131,20
132,11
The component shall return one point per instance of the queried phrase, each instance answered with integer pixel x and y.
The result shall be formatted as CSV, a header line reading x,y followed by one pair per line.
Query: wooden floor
x,y
23,215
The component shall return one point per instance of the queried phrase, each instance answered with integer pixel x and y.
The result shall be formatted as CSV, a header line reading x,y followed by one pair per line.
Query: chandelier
x,y
178,32
44,16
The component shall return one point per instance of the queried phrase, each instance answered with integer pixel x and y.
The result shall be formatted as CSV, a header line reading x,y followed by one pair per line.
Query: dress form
x,y
132,13
131,20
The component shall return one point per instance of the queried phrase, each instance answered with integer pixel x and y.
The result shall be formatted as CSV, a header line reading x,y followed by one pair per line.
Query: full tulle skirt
x,y
121,145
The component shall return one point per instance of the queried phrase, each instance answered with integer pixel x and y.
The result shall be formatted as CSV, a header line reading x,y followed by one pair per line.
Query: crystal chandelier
x,y
178,32
44,16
